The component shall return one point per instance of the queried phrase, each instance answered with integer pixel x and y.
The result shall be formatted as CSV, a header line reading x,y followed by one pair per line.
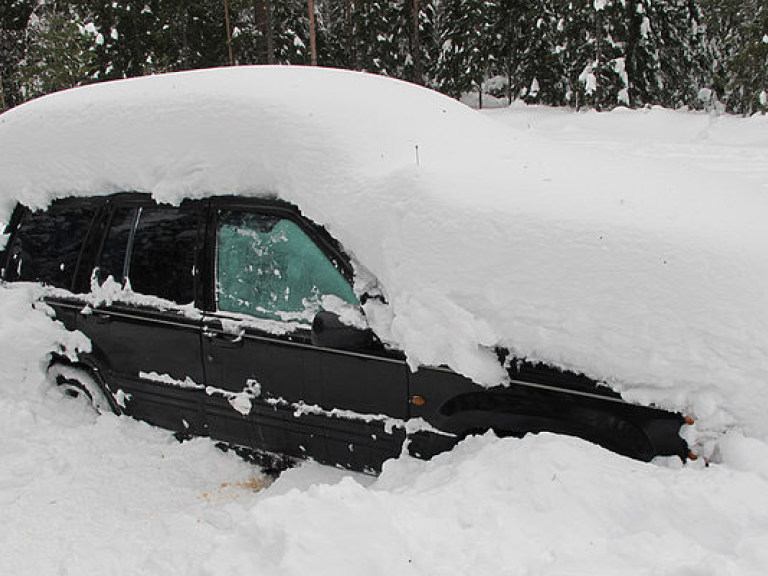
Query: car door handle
x,y
224,339
230,340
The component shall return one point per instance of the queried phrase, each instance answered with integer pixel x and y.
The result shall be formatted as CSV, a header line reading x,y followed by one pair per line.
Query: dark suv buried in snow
x,y
199,321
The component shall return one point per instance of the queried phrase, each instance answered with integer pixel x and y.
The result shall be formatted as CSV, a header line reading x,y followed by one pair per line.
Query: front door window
x,y
268,267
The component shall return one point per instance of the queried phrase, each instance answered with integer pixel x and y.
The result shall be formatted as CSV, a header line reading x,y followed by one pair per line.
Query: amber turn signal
x,y
418,401
689,420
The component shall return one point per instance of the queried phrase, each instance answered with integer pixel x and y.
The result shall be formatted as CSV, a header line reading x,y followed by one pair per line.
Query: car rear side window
x,y
267,266
47,245
112,261
152,249
162,257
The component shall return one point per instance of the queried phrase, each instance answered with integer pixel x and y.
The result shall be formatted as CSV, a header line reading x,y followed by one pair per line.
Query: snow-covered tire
x,y
78,384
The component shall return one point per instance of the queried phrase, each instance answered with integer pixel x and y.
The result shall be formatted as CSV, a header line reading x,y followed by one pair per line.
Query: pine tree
x,y
465,31
382,36
291,29
14,21
593,56
738,35
59,51
528,51
748,68
665,52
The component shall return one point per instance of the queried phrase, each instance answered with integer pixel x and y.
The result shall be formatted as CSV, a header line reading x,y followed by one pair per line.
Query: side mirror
x,y
329,332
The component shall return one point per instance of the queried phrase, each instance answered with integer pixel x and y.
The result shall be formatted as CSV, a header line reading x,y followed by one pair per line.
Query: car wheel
x,y
79,385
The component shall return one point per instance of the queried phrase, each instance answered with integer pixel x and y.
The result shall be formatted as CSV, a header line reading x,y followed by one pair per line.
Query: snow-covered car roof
x,y
648,276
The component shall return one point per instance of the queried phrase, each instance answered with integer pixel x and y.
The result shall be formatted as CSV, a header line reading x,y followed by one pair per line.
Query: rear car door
x,y
142,318
270,272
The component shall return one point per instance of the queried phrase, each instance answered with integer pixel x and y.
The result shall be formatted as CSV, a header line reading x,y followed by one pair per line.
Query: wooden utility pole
x,y
312,33
229,33
416,51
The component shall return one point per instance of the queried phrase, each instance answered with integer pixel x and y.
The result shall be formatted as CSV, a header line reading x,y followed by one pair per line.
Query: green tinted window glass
x,y
268,267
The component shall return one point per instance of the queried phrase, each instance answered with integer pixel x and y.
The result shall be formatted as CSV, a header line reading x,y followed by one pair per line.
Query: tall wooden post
x,y
312,32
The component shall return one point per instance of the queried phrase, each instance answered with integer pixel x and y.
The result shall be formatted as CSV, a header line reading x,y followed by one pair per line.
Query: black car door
x,y
269,273
141,317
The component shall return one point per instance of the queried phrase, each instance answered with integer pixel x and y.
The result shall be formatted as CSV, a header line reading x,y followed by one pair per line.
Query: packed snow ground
x,y
87,495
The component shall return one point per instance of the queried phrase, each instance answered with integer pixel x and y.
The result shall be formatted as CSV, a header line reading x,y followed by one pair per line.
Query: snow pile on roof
x,y
641,271
89,496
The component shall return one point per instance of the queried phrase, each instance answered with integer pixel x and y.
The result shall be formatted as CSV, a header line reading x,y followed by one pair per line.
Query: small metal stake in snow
x,y
417,154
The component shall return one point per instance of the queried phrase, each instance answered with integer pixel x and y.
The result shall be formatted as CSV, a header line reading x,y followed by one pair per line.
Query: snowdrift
x,y
646,274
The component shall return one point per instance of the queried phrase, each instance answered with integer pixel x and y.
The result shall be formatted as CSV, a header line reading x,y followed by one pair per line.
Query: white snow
x,y
410,426
95,495
187,383
240,401
642,266
588,78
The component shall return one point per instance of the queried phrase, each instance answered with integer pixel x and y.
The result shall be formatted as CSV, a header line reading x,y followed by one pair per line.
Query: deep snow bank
x,y
541,505
92,495
643,272
83,494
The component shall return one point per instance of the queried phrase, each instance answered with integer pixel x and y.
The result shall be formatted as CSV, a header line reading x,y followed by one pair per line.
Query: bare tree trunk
x,y
350,30
259,24
268,32
598,59
262,10
259,18
2,92
184,38
312,33
416,49
229,33
480,95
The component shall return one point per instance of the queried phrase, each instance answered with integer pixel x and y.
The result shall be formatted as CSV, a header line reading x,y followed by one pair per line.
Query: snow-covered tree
x,y
738,36
528,48
665,52
466,36
14,21
60,51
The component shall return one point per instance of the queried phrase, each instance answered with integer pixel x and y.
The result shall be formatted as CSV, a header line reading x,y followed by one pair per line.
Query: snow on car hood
x,y
647,275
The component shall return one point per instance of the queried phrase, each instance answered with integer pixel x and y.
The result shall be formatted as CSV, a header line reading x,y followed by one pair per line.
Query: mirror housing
x,y
328,331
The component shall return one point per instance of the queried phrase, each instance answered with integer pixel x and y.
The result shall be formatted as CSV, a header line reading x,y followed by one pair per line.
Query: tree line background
x,y
578,53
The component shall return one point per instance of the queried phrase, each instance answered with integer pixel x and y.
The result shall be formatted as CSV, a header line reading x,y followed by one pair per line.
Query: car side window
x,y
47,245
162,258
112,261
267,266
152,249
